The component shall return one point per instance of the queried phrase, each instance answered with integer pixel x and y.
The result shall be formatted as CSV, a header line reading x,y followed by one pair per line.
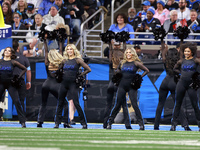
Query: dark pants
x,y
22,94
50,86
70,89
167,85
110,94
14,95
124,87
181,88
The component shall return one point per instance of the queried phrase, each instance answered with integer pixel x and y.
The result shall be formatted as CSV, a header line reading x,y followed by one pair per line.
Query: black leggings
x,y
70,88
15,98
50,86
121,93
181,89
167,85
110,93
22,94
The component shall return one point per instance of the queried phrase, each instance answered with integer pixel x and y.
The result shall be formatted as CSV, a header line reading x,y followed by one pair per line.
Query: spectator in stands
x,y
132,18
29,16
140,54
17,25
171,5
161,13
45,6
31,49
21,7
76,11
193,4
170,23
183,11
63,11
90,7
7,13
53,18
153,3
149,24
122,25
36,3
37,25
143,13
194,22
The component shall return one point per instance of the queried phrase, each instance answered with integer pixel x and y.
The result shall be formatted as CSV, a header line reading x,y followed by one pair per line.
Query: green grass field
x,y
92,139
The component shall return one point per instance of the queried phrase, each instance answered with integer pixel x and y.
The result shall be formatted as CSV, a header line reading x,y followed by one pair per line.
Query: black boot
x,y
72,122
173,128
141,127
109,126
56,125
23,125
84,126
67,125
39,125
187,128
156,128
128,127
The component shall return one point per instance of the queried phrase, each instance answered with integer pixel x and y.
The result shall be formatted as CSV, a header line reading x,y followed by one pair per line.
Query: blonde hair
x,y
25,4
54,57
76,52
135,56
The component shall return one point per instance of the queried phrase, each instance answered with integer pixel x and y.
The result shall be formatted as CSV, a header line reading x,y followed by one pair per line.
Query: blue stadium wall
x,y
98,80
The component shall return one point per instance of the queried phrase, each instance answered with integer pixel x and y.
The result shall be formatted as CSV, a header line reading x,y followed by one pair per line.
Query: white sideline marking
x,y
26,148
188,143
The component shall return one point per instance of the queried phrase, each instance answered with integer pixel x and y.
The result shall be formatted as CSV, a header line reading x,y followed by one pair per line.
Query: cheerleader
x,y
128,67
7,81
71,64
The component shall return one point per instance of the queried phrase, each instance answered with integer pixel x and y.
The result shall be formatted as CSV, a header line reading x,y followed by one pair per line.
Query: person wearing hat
x,y
53,18
44,7
141,55
161,13
149,24
132,18
143,13
29,15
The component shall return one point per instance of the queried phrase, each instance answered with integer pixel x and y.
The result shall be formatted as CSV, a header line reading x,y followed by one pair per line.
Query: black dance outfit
x,y
188,68
6,75
167,85
128,71
110,94
69,87
50,86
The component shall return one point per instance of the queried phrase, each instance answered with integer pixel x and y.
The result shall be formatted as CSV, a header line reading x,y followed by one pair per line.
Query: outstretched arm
x,y
142,67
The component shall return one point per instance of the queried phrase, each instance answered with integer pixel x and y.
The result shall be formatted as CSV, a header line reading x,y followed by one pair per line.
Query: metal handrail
x,y
114,11
83,33
135,39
